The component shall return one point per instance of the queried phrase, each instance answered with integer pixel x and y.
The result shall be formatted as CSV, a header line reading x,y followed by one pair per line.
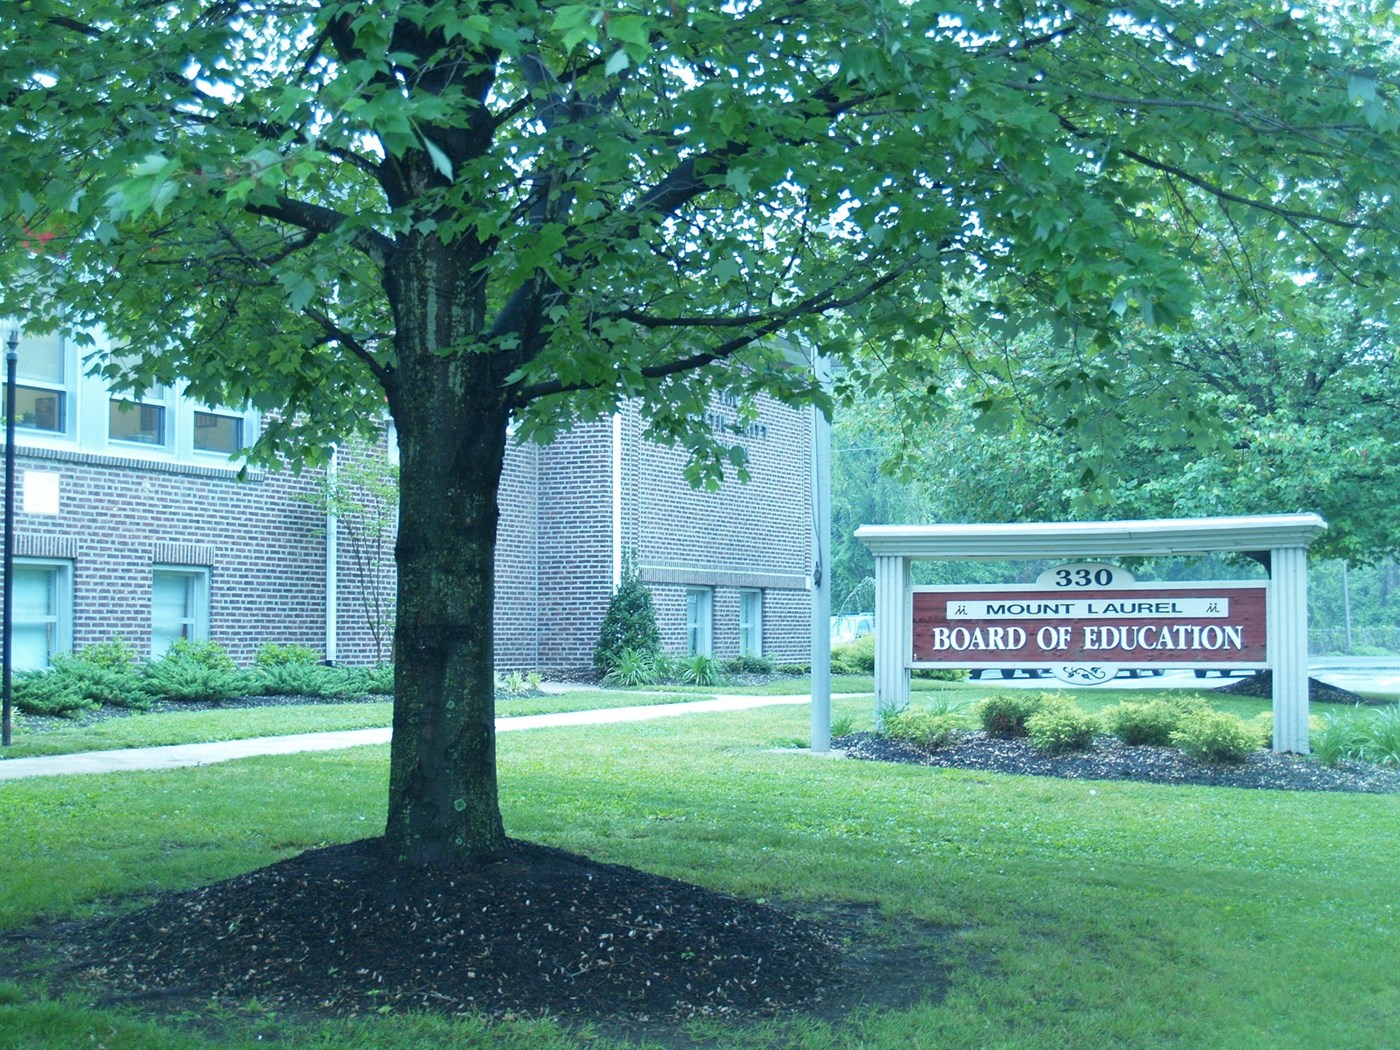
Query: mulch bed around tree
x,y
542,931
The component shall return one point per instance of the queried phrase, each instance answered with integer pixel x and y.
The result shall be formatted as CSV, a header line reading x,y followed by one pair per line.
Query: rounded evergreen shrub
x,y
1148,724
1059,727
1005,714
929,730
1217,737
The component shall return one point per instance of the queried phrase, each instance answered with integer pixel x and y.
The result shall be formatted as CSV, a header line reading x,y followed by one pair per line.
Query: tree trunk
x,y
443,806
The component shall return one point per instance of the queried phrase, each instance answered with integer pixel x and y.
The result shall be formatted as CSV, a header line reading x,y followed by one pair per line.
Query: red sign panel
x,y
1183,625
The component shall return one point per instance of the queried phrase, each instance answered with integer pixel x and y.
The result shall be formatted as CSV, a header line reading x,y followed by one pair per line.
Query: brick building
x,y
132,520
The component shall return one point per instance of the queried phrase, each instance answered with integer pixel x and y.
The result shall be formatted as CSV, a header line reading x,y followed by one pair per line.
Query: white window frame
x,y
195,621
699,620
65,389
750,622
156,397
61,614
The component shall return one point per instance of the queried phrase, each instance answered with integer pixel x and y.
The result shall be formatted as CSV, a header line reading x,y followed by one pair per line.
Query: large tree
x,y
486,210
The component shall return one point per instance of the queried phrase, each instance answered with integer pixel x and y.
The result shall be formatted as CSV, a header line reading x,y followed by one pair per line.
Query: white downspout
x,y
616,501
332,558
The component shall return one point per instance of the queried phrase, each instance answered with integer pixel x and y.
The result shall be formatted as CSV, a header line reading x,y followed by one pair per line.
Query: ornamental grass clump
x,y
1059,726
1340,738
1217,737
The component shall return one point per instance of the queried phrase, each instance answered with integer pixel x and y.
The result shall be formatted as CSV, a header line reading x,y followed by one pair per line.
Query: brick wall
x,y
265,545
120,517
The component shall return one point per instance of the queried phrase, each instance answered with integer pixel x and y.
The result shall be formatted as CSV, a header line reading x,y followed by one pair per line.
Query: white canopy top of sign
x,y
1094,538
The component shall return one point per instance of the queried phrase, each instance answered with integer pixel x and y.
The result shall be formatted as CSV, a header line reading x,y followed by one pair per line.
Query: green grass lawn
x,y
1069,914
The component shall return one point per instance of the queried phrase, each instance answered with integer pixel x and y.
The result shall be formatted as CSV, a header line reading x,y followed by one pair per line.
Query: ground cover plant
x,y
1024,912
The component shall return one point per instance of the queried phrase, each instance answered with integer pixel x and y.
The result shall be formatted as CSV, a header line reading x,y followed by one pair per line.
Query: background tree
x,y
361,491
486,210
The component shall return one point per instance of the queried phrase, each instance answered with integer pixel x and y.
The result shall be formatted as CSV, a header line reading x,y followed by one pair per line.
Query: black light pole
x,y
7,651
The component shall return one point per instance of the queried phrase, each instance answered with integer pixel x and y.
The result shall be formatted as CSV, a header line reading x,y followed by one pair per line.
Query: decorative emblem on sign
x,y
1080,674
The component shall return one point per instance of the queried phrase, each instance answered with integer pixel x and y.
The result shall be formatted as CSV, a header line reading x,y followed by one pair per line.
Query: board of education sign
x,y
1091,614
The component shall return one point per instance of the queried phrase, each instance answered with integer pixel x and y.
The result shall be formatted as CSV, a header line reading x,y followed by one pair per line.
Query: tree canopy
x,y
481,211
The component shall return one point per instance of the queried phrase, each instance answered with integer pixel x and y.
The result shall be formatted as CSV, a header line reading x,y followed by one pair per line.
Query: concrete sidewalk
x,y
177,755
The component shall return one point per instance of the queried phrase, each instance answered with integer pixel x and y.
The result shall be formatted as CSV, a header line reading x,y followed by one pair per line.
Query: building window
x,y
43,612
41,393
217,432
750,623
139,421
699,619
179,606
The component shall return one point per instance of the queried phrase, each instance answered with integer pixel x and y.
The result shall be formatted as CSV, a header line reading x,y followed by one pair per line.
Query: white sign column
x,y
1288,646
892,637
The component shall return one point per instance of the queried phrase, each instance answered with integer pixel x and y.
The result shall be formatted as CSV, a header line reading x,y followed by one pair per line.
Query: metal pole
x,y
7,650
821,565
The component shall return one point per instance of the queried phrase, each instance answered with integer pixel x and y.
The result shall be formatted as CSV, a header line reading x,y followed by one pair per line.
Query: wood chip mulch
x,y
543,931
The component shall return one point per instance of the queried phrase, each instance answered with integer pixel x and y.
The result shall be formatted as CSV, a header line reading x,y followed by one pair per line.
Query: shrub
x,y
940,674
1217,737
274,654
795,669
517,684
701,669
104,681
205,653
1150,724
929,730
629,623
631,667
196,671
296,678
749,665
1059,727
856,657
377,680
1005,714
49,693
114,654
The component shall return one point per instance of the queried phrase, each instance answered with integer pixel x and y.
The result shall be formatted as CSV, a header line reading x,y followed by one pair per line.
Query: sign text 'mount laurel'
x,y
1143,624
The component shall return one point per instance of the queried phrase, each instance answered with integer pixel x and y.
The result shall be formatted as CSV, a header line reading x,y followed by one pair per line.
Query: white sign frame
x,y
1279,540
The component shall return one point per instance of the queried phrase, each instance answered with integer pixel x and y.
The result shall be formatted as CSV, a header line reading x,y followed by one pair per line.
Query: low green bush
x,y
49,693
748,665
195,672
295,678
275,654
1005,714
929,730
856,657
205,653
1150,724
1218,737
377,680
103,681
1057,727
940,674
795,669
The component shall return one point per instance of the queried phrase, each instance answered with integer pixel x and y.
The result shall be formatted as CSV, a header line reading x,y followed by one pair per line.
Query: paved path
x,y
203,754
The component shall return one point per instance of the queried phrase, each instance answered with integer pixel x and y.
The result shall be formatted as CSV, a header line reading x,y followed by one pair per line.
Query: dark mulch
x,y
1111,759
1262,685
338,930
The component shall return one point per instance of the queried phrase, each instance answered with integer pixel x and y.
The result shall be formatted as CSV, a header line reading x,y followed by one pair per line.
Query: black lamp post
x,y
7,651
